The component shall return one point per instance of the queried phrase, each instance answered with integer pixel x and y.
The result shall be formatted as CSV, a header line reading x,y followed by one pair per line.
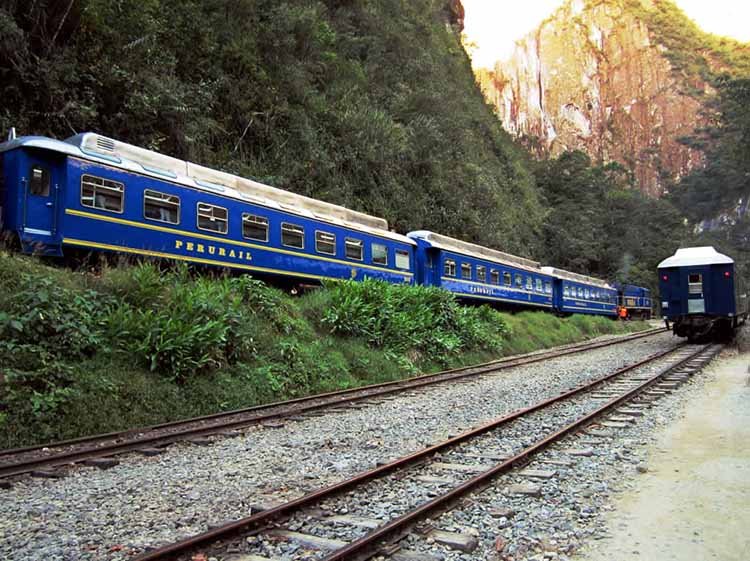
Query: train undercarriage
x,y
701,328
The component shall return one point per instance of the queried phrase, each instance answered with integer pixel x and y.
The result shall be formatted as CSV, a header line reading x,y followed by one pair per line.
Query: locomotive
x,y
95,193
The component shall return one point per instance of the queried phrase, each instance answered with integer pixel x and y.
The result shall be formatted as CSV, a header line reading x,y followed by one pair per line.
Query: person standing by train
x,y
623,313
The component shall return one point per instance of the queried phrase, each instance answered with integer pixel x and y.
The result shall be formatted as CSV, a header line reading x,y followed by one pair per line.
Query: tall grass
x,y
140,344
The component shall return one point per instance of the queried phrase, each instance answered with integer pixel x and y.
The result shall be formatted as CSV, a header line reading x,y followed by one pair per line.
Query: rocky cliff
x,y
593,77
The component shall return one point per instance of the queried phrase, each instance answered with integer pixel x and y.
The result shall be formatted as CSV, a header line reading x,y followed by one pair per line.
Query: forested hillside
x,y
370,104
714,197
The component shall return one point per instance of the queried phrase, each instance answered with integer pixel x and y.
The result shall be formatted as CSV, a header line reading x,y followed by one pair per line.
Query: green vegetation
x,y
602,224
368,104
137,345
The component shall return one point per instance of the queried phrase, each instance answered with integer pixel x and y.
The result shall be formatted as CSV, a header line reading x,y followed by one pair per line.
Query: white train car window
x,y
449,268
548,287
161,207
539,285
481,273
354,248
254,227
507,279
494,276
379,254
695,284
466,271
529,283
292,235
402,260
519,281
325,242
213,218
104,194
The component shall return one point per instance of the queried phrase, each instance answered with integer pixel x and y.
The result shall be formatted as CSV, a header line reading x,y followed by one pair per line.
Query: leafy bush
x,y
183,325
65,322
417,318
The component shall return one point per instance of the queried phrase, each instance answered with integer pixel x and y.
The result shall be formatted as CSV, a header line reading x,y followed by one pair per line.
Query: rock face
x,y
592,78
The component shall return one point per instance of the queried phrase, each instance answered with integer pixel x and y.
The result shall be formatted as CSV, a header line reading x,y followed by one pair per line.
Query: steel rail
x,y
265,517
532,356
122,442
369,545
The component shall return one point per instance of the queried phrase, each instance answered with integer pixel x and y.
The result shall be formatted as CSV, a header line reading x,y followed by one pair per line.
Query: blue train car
x,y
635,299
697,289
473,272
96,193
580,294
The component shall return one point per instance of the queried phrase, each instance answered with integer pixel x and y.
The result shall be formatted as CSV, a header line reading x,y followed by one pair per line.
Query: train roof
x,y
473,250
95,147
576,277
694,256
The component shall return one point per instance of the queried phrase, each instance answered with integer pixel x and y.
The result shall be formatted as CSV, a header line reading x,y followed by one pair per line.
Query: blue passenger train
x,y
473,272
91,192
96,193
581,294
635,299
699,294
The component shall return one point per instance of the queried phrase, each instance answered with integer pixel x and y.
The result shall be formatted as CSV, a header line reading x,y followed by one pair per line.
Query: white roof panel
x,y
473,250
695,256
576,277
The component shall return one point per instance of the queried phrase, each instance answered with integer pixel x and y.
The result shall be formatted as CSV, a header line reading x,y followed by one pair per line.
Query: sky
x,y
494,25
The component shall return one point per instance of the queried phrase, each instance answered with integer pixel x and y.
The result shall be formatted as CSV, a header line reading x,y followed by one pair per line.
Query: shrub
x,y
183,325
421,319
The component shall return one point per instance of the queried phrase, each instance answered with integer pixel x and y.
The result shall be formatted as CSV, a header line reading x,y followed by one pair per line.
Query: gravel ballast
x,y
147,501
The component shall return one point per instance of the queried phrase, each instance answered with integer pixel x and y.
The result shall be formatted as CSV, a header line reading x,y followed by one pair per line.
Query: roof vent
x,y
105,144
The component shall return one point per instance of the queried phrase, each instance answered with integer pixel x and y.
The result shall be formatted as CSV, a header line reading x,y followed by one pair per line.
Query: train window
x,y
379,254
580,292
161,207
494,276
292,235
354,248
466,271
449,268
212,218
481,273
402,260
39,181
695,284
548,287
539,285
519,281
529,283
566,291
97,192
254,227
586,293
325,242
507,279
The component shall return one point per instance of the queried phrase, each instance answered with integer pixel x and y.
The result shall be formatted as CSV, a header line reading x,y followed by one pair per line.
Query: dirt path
x,y
694,501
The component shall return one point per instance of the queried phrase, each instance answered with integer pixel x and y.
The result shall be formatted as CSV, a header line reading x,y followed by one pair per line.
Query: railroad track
x,y
151,440
414,486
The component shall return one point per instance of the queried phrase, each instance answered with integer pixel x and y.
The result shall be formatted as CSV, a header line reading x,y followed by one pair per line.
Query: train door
x,y
696,279
41,180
